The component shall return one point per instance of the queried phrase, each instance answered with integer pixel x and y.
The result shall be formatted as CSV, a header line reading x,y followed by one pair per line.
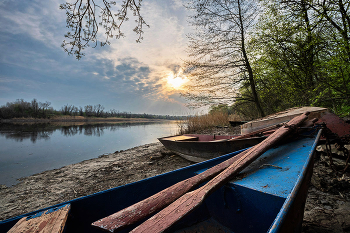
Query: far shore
x,y
82,119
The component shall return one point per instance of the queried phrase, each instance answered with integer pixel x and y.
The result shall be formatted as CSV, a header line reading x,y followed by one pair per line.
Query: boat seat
x,y
51,220
220,140
182,138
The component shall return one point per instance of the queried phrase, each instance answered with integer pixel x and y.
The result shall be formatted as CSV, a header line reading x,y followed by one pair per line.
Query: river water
x,y
33,148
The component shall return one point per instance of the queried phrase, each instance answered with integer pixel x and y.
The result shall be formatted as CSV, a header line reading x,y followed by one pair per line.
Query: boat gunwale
x,y
216,141
280,218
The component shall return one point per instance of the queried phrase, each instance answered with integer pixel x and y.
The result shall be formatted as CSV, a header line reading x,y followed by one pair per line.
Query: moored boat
x,y
201,147
268,196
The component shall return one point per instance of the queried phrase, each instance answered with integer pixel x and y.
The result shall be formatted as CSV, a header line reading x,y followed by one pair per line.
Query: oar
x,y
186,203
160,200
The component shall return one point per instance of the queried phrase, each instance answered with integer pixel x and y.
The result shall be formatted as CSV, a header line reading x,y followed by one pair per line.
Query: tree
x,y
67,109
88,110
301,55
44,107
224,108
35,108
286,46
98,110
83,23
220,61
335,69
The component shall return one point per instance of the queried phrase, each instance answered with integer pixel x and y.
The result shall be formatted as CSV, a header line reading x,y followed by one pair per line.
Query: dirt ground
x,y
327,208
328,204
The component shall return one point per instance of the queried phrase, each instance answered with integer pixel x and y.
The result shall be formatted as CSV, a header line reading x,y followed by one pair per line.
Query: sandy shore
x,y
327,208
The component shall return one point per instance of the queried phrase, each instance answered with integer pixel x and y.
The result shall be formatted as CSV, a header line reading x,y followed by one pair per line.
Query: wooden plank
x,y
280,117
182,138
186,203
335,124
49,221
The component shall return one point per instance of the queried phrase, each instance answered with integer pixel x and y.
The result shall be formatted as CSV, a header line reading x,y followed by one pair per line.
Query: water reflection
x,y
33,132
26,149
43,131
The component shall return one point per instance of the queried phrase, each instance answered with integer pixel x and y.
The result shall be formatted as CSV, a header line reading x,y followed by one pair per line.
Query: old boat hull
x,y
269,196
199,147
282,117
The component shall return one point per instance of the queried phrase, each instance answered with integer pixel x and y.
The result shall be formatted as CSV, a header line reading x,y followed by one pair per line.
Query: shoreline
x,y
83,119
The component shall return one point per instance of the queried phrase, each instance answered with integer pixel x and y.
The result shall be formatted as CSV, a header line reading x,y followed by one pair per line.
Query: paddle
x,y
186,203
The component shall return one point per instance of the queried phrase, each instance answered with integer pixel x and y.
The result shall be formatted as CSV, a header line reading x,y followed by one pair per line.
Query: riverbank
x,y
327,208
81,119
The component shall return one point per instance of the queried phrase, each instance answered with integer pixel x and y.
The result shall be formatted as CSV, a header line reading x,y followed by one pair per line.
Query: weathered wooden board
x,y
181,138
280,117
335,124
49,221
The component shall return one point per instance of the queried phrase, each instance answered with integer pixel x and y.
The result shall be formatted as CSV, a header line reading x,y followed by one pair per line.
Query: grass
x,y
202,122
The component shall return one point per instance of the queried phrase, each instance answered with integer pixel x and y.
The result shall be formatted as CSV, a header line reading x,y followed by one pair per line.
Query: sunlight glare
x,y
176,82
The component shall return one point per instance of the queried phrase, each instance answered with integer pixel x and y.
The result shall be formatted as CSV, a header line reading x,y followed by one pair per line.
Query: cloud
x,y
177,4
162,50
41,20
164,42
31,33
129,75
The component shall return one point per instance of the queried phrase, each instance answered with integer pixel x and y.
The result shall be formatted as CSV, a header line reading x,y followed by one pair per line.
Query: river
x,y
27,149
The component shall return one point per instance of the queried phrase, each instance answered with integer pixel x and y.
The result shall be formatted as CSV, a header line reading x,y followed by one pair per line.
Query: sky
x,y
126,76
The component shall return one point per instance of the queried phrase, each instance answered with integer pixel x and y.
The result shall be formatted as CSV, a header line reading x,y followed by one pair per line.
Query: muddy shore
x,y
327,208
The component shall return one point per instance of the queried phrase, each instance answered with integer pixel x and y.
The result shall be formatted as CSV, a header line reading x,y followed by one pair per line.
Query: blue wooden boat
x,y
268,196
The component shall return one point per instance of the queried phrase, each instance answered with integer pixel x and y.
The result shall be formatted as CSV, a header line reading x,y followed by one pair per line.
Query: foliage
x,y
35,109
21,108
302,55
224,108
299,54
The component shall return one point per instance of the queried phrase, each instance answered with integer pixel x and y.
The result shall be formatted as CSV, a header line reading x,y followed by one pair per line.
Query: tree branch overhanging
x,y
86,17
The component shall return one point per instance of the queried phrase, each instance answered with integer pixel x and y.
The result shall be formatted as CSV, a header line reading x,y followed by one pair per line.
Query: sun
x,y
176,82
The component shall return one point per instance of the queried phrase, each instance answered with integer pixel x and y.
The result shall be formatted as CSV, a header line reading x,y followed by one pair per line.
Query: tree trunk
x,y
248,67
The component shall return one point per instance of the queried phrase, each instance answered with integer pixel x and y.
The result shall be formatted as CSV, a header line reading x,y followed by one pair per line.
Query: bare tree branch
x,y
85,17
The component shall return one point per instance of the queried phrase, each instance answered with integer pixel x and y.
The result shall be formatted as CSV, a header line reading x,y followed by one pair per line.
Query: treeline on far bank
x,y
35,109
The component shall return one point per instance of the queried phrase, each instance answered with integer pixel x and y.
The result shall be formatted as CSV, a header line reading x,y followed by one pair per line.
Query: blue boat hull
x,y
269,196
